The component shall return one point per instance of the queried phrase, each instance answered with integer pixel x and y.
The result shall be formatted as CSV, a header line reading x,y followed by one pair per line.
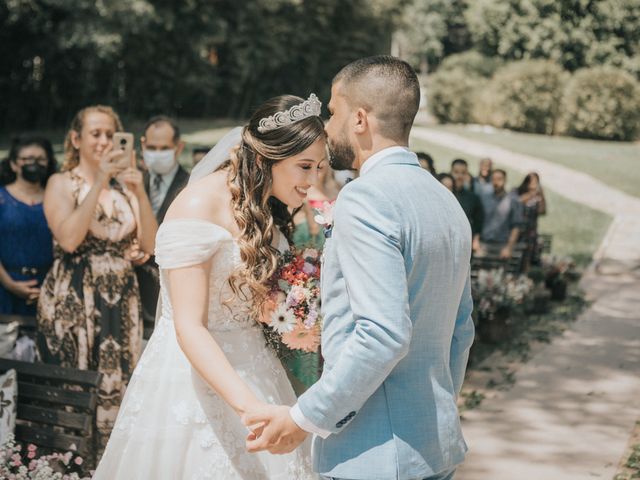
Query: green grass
x,y
577,230
616,164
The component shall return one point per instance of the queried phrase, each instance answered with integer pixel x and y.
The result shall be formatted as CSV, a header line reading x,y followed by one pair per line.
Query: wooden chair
x,y
56,406
545,240
493,262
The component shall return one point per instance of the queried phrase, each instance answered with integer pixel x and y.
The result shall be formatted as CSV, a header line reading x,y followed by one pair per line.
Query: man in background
x,y
469,201
164,180
502,218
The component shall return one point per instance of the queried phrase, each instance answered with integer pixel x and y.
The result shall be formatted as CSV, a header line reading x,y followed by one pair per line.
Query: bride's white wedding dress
x,y
171,424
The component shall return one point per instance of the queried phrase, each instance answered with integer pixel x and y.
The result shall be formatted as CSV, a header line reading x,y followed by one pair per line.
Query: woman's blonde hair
x,y
71,154
255,211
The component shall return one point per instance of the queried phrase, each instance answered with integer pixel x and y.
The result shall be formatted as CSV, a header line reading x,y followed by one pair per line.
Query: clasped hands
x,y
273,430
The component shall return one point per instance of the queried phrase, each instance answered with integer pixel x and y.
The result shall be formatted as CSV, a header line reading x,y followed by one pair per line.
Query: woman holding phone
x,y
98,212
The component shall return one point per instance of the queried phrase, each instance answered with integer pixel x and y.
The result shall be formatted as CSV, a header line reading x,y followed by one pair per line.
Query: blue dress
x,y
26,248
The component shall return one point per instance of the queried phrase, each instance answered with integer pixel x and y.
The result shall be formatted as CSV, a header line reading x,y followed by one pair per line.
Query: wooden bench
x,y
545,241
56,406
24,321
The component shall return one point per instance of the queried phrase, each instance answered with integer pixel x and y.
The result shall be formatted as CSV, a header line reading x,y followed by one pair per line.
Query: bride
x,y
207,362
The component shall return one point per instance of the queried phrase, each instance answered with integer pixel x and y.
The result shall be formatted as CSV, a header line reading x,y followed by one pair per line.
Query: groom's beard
x,y
342,155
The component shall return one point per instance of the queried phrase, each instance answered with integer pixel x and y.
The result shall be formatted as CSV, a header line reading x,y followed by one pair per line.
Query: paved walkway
x,y
572,408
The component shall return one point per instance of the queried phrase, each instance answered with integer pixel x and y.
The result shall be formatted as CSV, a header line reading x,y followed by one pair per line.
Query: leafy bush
x,y
602,103
451,95
472,62
523,96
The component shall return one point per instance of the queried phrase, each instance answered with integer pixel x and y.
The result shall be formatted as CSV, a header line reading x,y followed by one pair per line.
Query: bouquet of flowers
x,y
495,290
28,465
291,316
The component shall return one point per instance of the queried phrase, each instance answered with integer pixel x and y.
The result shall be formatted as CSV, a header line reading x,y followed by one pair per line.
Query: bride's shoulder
x,y
204,199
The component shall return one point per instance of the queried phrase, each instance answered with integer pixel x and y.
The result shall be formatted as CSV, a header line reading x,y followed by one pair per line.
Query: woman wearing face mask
x,y
26,249
89,307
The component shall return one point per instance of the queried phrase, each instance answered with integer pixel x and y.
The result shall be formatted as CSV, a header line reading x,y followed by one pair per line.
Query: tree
x,y
433,30
190,58
574,33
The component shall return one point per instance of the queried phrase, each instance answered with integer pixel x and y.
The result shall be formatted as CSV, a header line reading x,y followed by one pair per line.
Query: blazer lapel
x,y
179,182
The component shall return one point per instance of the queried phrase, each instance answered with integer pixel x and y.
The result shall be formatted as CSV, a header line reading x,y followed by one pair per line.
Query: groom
x,y
396,300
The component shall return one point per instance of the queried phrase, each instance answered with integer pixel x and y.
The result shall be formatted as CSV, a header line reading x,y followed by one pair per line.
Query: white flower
x,y
283,320
310,253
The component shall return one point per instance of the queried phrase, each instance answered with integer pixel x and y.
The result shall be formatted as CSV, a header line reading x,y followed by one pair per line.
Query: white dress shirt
x,y
376,157
295,412
158,192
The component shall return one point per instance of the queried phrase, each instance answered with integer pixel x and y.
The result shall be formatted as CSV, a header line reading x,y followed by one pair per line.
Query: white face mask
x,y
159,162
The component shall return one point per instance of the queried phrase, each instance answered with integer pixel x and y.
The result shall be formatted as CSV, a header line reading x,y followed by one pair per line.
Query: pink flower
x,y
296,295
78,461
311,318
303,338
309,269
31,454
32,447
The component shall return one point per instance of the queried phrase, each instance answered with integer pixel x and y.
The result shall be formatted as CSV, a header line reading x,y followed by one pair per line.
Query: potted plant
x,y
537,301
497,295
558,272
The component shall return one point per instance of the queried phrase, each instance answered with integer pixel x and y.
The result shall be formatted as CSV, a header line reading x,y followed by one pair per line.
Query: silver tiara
x,y
311,107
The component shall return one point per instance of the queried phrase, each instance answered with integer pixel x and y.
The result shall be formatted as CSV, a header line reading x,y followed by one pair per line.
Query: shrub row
x,y
536,96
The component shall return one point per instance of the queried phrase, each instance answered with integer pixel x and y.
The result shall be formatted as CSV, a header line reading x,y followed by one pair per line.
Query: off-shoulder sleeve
x,y
185,242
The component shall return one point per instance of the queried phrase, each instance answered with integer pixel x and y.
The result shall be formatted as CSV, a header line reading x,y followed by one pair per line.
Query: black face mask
x,y
34,172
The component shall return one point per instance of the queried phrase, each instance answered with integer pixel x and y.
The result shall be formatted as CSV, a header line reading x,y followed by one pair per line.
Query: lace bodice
x,y
186,242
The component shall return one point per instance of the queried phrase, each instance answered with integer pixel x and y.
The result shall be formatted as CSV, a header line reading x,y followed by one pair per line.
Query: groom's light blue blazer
x,y
397,305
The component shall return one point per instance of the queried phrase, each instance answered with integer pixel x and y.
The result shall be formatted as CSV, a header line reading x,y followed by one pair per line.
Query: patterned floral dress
x,y
89,314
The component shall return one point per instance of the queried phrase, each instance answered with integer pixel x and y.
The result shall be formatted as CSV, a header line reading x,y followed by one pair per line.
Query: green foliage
x,y
191,58
574,33
523,96
472,62
431,31
452,94
602,103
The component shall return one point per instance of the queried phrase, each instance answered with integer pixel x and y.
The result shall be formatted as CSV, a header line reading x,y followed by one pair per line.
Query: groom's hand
x,y
277,432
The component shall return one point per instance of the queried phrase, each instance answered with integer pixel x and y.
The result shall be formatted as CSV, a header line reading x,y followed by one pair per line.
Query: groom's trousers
x,y
442,476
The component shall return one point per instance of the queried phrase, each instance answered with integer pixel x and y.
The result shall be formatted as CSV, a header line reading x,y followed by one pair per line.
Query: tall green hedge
x,y
451,95
523,96
602,103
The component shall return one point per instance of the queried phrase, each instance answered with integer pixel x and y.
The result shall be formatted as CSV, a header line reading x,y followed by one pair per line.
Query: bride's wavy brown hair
x,y
255,211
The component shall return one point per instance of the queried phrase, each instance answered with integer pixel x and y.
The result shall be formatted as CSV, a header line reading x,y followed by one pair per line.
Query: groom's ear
x,y
362,121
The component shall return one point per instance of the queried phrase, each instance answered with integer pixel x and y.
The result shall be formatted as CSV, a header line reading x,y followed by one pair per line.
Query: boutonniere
x,y
324,217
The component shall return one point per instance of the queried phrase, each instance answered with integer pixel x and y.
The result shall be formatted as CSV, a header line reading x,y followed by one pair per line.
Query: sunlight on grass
x,y
615,163
577,230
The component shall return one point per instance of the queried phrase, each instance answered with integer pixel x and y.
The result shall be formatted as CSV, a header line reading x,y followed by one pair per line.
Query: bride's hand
x,y
278,433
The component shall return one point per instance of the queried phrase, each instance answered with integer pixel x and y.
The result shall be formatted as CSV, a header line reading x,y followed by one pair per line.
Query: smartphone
x,y
123,141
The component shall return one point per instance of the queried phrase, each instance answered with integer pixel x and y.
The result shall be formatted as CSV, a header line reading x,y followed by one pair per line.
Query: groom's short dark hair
x,y
386,86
